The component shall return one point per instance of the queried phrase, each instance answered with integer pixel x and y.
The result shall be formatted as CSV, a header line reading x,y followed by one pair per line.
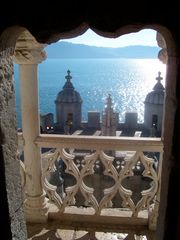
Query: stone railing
x,y
104,183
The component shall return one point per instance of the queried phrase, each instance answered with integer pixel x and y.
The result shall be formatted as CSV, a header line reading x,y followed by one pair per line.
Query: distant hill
x,y
70,50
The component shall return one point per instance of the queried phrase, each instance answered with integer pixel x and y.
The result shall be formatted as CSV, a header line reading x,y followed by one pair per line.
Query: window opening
x,y
154,121
109,120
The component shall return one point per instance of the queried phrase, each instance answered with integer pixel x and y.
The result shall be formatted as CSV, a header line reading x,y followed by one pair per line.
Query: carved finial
x,y
109,100
159,78
158,86
109,119
68,84
68,77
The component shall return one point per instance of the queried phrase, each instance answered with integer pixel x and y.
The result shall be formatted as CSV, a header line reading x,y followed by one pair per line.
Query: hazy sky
x,y
145,37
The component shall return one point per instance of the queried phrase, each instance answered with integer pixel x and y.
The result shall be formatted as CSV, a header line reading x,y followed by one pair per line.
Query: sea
x,y
127,80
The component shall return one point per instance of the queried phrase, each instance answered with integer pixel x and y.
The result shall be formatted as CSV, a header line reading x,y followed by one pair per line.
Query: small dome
x,y
68,97
157,95
68,94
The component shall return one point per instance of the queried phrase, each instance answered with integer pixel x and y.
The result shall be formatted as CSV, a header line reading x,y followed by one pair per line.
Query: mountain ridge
x,y
65,49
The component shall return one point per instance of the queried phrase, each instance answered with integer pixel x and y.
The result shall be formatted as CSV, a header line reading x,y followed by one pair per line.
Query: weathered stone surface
x,y
8,138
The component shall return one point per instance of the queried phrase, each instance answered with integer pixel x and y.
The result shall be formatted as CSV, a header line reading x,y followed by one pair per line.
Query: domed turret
x,y
68,105
157,95
68,94
154,101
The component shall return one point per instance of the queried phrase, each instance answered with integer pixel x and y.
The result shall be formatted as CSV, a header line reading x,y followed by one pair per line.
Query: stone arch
x,y
169,107
170,99
8,123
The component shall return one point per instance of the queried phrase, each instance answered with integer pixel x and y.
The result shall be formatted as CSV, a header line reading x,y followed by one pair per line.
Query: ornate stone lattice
x,y
118,175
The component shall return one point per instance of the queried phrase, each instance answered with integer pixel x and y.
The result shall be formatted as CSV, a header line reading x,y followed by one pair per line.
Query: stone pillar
x,y
28,54
109,119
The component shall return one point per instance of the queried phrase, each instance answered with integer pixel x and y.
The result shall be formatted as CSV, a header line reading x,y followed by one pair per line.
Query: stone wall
x,y
10,183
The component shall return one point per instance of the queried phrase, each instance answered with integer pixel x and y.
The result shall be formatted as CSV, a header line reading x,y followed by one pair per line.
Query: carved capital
x,y
29,56
160,40
162,55
28,50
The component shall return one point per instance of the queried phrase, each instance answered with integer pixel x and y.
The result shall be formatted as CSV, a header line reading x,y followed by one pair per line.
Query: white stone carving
x,y
162,55
87,166
109,119
29,56
28,53
111,171
28,50
49,188
147,195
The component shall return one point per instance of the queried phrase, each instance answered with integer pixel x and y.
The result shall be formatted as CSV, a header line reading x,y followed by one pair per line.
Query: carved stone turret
x,y
109,119
68,105
153,113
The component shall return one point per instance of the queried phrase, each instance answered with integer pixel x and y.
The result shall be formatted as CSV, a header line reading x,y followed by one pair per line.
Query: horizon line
x,y
98,46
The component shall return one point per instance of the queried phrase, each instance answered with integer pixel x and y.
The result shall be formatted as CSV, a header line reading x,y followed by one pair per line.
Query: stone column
x,y
28,55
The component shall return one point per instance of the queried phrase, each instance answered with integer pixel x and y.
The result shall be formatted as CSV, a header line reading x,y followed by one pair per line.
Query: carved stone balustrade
x,y
142,158
75,200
